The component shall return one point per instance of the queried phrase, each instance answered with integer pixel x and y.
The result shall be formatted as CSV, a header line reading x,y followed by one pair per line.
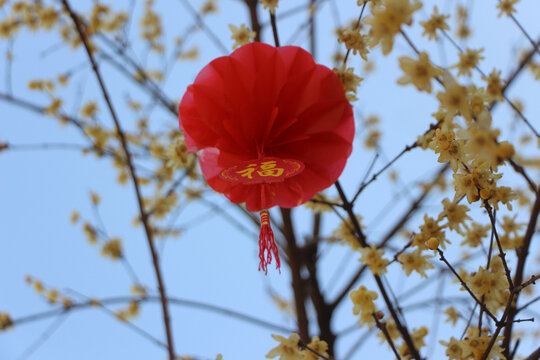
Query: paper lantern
x,y
274,127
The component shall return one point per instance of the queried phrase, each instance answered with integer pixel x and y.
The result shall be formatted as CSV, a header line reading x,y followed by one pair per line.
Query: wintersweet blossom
x,y
386,21
506,7
418,72
415,261
317,345
287,348
436,22
241,35
372,257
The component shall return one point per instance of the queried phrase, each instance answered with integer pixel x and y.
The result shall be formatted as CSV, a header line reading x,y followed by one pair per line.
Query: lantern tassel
x,y
267,244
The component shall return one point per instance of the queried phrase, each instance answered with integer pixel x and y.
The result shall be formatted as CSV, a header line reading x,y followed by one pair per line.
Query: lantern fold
x,y
261,102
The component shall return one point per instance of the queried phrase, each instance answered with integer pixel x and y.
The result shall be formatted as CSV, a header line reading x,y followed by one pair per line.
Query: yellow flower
x,y
94,197
74,217
474,345
495,85
372,139
463,31
319,346
454,348
468,60
47,17
349,81
506,7
209,7
52,296
364,306
432,243
418,72
241,35
54,107
454,99
270,4
38,286
5,321
345,233
89,109
99,136
150,23
453,315
415,261
355,41
90,232
455,214
9,27
475,234
436,22
372,257
112,249
387,19
191,54
450,150
318,207
287,348
177,155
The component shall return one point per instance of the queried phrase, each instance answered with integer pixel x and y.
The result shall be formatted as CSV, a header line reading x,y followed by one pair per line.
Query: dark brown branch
x,y
399,225
298,285
144,216
348,206
464,284
502,254
254,18
323,310
384,330
522,252
274,29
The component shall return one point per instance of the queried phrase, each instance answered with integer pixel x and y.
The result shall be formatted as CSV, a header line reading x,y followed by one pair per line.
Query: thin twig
x,y
384,330
464,284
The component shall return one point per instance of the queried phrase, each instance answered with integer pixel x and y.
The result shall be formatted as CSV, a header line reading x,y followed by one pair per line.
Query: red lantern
x,y
274,127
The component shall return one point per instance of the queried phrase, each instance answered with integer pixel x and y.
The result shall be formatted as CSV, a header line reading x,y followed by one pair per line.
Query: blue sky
x,y
212,262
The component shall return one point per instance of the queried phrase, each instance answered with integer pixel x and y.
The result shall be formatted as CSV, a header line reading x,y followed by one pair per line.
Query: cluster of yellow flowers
x,y
289,349
387,18
102,19
112,247
355,41
52,295
151,28
473,346
489,284
33,15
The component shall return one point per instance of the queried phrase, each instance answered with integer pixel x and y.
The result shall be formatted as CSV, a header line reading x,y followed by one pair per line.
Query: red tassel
x,y
267,243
